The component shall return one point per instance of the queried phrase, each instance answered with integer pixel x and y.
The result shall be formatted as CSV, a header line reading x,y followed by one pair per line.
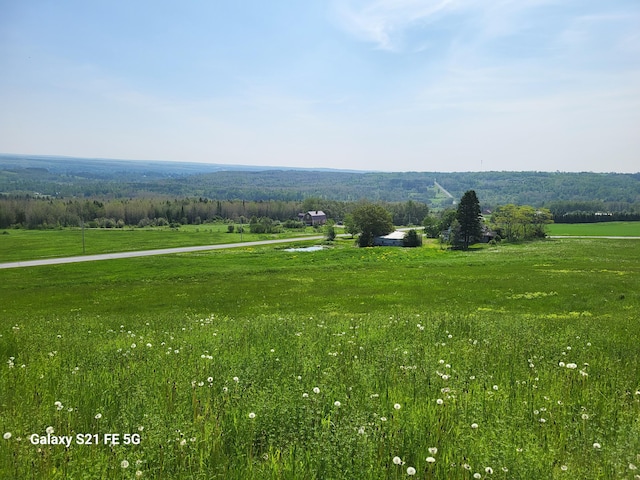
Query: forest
x,y
46,192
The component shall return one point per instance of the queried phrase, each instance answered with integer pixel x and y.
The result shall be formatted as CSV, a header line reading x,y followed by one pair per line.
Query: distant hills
x,y
106,178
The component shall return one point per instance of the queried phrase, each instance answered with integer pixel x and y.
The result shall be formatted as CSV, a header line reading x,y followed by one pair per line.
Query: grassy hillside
x,y
517,361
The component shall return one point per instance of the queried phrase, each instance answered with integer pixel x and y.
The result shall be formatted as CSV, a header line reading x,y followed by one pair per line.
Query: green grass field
x,y
515,361
17,245
614,229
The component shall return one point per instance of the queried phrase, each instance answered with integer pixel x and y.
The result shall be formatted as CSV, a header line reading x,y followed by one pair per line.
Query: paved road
x,y
147,253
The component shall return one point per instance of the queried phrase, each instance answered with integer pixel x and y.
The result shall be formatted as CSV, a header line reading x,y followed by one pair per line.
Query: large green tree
x,y
371,220
469,219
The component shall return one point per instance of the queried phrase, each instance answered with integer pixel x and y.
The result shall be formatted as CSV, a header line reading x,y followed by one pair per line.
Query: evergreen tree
x,y
470,219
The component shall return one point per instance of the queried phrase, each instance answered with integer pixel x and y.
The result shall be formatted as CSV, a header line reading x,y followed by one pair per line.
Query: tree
x,y
371,220
413,239
470,219
521,222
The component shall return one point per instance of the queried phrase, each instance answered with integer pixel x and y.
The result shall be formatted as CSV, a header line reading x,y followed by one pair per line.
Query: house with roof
x,y
393,239
314,217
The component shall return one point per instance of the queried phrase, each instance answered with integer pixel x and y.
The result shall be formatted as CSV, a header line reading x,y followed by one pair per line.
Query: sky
x,y
390,85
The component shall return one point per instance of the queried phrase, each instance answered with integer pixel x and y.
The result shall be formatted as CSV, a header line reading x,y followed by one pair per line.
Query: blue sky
x,y
396,85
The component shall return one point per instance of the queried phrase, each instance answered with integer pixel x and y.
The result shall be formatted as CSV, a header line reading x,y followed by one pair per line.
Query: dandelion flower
x,y
49,430
495,387
477,475
474,425
411,471
439,401
431,460
489,470
597,446
236,379
98,416
466,466
316,390
561,364
124,464
7,435
397,460
433,450
337,403
305,395
397,406
252,415
210,379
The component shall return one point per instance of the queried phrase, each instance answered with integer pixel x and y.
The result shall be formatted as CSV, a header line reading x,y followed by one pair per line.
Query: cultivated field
x,y
614,229
516,361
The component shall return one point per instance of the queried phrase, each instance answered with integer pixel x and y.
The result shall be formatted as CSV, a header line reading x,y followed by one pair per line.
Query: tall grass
x,y
506,363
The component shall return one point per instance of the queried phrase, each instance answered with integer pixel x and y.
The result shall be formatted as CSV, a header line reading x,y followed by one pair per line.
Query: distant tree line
x,y
128,180
41,212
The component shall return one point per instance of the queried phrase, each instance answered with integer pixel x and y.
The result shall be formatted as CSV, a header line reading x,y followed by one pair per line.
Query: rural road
x,y
147,253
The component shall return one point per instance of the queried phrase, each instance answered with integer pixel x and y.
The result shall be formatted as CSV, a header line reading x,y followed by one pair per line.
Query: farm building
x,y
314,217
394,239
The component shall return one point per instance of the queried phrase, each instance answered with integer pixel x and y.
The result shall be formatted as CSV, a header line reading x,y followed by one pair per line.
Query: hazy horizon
x,y
369,85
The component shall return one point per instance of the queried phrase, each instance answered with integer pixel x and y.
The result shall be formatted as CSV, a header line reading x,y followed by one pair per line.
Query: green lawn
x,y
16,245
520,360
615,229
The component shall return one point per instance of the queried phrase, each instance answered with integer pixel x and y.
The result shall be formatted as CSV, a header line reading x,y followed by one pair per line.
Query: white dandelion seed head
x,y
564,468
183,442
252,415
7,435
316,390
210,379
489,470
305,395
337,403
124,464
383,419
431,460
477,475
585,416
138,473
561,364
236,379
474,425
495,387
597,446
98,416
397,460
397,406
361,431
411,471
632,467
433,450
572,366
439,401
49,430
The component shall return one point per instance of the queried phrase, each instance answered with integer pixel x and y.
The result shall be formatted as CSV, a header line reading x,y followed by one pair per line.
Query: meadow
x,y
22,244
509,361
615,229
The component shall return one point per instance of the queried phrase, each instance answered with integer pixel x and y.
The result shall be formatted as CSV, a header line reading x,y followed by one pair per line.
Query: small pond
x,y
315,248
